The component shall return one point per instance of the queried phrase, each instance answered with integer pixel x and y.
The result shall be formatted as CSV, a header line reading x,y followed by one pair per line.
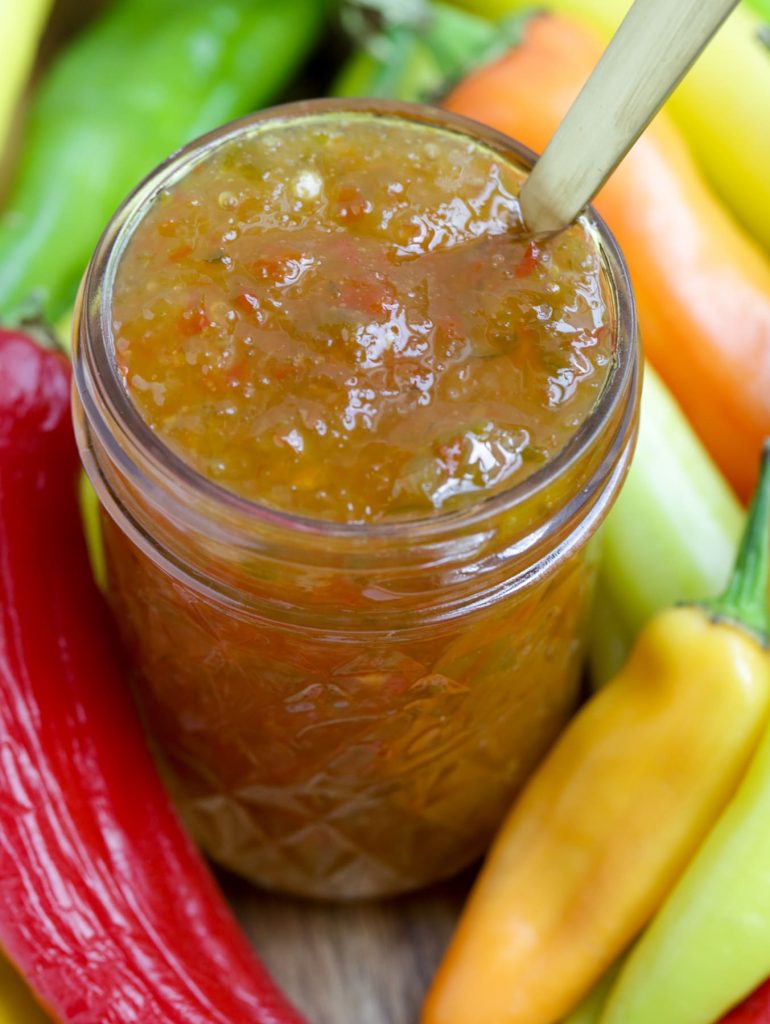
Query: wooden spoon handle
x,y
651,51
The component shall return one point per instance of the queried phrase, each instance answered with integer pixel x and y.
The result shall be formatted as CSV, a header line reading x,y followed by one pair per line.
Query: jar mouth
x,y
133,447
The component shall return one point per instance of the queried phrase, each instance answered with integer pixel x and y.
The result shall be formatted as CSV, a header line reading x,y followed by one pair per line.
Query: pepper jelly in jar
x,y
352,430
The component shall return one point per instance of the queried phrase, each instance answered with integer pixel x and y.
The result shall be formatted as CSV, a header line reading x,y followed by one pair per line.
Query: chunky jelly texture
x,y
341,317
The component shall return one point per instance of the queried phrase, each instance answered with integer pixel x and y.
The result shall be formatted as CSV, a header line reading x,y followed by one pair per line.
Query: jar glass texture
x,y
345,710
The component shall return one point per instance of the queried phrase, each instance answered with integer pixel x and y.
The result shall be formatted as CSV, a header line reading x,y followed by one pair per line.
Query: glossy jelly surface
x,y
342,318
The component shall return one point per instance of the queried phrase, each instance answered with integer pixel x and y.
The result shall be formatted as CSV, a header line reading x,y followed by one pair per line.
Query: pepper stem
x,y
745,599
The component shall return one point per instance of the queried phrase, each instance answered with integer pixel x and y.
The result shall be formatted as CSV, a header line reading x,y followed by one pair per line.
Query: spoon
x,y
651,51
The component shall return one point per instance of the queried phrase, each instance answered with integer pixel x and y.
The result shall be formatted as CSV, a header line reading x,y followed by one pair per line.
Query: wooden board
x,y
359,963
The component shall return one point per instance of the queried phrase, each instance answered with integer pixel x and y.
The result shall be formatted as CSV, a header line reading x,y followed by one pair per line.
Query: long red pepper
x,y
755,1009
105,904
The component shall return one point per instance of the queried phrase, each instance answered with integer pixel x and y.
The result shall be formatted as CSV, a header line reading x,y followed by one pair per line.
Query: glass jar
x,y
345,710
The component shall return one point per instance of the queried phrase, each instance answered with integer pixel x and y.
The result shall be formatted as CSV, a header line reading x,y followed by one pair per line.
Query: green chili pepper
x,y
137,84
417,53
672,533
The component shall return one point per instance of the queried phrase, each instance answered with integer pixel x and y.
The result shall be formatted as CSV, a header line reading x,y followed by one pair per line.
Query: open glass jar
x,y
345,709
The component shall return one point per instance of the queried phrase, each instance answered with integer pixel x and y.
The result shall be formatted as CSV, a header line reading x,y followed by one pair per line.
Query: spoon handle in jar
x,y
651,51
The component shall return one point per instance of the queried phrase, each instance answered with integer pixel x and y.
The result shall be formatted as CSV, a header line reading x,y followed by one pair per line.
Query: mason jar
x,y
345,710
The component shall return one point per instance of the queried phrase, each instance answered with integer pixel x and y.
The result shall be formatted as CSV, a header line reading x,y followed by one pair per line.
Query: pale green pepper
x,y
671,535
610,637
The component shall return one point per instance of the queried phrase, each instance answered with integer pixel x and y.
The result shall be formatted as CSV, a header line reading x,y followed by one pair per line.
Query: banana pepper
x,y
20,28
709,945
755,1009
601,832
719,112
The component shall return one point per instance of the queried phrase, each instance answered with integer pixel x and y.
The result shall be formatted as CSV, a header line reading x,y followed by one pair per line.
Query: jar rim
x,y
124,435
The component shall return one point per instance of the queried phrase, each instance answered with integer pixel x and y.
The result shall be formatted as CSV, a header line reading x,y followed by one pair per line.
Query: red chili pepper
x,y
180,253
105,904
192,322
755,1009
247,302
528,263
351,204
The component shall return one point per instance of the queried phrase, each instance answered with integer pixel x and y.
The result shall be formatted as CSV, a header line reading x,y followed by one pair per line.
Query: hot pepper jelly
x,y
352,428
343,318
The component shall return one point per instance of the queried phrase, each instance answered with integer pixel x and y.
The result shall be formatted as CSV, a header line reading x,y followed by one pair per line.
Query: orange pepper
x,y
702,286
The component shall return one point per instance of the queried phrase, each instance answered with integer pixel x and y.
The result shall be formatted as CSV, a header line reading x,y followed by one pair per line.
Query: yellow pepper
x,y
21,25
721,106
725,117
606,825
16,1003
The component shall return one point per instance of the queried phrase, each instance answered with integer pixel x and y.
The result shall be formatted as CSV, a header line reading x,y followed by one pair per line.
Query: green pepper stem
x,y
41,331
745,599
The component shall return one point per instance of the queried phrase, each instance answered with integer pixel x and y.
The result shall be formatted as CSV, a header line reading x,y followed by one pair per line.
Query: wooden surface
x,y
359,963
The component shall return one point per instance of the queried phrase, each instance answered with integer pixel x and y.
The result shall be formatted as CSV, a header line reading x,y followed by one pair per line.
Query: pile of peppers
x,y
616,814
629,884
624,804
106,907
